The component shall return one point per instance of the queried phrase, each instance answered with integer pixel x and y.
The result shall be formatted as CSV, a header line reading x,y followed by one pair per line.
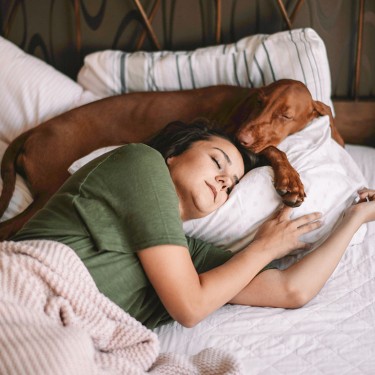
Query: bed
x,y
335,332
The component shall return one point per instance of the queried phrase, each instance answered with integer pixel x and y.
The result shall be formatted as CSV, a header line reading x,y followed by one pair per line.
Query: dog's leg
x,y
287,180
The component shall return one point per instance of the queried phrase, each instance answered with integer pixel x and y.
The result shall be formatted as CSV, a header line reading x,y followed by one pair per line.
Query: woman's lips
x,y
214,191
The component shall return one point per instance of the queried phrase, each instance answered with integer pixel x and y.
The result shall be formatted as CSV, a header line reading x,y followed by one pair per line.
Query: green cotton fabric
x,y
116,205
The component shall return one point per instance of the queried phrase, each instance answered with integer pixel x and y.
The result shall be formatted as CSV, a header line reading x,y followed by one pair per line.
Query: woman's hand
x,y
280,234
364,210
366,195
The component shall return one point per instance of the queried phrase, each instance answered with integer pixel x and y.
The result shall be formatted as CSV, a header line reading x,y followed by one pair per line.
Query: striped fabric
x,y
32,91
53,320
251,62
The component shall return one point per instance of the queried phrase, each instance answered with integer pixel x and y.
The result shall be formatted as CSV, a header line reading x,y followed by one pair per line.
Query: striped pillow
x,y
31,92
251,62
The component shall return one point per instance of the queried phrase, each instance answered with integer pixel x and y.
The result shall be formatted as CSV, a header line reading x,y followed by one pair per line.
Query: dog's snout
x,y
245,139
245,144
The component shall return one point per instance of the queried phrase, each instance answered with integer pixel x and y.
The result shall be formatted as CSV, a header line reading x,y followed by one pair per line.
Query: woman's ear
x,y
169,160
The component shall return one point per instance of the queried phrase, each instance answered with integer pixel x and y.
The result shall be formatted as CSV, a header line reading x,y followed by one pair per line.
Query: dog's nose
x,y
246,139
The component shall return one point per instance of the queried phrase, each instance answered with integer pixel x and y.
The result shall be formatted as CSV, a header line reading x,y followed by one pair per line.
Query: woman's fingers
x,y
281,235
306,219
304,224
309,227
366,193
284,213
305,246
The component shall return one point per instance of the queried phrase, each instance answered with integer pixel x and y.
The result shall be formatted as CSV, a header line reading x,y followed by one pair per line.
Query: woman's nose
x,y
224,181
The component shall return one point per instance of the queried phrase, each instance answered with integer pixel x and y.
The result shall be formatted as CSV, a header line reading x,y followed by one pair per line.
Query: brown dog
x,y
261,118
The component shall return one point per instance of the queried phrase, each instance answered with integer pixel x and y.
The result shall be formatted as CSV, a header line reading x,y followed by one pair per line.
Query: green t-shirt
x,y
118,204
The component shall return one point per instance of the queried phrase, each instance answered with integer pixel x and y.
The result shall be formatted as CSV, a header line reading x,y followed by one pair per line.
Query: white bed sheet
x,y
333,334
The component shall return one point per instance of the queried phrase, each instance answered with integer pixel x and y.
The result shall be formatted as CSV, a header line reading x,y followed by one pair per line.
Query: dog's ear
x,y
322,109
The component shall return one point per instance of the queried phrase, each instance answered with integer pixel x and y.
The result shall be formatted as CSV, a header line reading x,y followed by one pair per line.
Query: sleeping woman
x,y
122,214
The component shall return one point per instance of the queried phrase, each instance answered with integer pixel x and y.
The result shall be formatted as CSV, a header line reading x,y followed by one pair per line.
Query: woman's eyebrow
x,y
225,155
236,179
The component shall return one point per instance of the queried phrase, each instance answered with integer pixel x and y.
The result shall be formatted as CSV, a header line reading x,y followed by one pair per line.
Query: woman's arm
x,y
298,284
189,297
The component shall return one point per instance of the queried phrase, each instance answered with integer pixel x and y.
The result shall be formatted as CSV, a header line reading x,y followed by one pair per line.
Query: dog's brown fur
x,y
261,118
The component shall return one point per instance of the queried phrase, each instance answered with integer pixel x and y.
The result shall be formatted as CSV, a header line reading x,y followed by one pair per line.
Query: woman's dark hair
x,y
178,136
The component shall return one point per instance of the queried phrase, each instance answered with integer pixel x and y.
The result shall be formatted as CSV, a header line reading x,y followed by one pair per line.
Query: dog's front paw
x,y
290,187
292,199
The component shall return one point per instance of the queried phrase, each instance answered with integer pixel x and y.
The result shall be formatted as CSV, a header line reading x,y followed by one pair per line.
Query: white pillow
x,y
364,156
253,61
91,156
329,174
31,92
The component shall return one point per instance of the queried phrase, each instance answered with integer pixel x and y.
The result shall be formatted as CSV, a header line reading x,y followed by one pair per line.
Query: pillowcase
x,y
364,157
31,93
251,62
331,179
91,156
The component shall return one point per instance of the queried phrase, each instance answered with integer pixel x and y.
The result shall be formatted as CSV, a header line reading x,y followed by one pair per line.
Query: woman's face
x,y
204,175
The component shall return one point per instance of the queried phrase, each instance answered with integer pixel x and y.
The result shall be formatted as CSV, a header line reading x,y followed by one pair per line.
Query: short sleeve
x,y
206,256
128,201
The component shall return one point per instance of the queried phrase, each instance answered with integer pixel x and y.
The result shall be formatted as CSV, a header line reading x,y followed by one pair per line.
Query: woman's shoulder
x,y
128,161
139,151
134,160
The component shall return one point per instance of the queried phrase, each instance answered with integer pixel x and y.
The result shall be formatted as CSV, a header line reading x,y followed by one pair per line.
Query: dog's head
x,y
271,113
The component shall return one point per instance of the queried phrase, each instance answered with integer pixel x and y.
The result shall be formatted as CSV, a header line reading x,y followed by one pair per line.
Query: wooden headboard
x,y
63,32
356,121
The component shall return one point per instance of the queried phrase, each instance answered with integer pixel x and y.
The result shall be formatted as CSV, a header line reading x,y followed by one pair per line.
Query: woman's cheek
x,y
223,198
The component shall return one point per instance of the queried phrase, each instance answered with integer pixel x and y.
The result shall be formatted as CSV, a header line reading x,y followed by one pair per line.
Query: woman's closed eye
x,y
216,161
222,165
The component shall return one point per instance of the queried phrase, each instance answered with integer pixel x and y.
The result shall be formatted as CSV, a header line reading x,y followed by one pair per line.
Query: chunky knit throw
x,y
53,320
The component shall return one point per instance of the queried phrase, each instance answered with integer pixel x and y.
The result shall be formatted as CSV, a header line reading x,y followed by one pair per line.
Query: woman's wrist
x,y
353,217
262,248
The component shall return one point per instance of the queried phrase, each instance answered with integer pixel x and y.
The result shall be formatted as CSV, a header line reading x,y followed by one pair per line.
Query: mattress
x,y
333,334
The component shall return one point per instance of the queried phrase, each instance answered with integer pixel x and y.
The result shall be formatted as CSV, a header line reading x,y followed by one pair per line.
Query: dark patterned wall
x,y
47,29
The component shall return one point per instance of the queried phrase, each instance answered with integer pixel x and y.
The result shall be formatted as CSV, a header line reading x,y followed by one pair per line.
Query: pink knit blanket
x,y
53,320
